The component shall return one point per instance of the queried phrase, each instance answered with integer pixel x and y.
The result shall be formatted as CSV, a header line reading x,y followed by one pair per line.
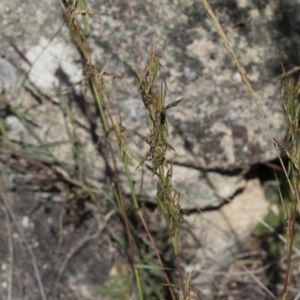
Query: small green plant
x,y
152,87
117,287
276,193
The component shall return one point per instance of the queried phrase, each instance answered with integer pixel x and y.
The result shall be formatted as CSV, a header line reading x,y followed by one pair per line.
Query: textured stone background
x,y
216,127
216,131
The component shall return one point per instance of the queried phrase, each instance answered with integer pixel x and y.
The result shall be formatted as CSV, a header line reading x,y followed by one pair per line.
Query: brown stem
x,y
157,254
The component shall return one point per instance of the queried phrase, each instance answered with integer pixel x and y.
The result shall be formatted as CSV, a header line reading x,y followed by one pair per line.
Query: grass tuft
x,y
291,151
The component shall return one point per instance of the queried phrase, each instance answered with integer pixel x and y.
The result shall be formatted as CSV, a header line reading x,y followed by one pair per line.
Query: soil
x,y
52,234
75,255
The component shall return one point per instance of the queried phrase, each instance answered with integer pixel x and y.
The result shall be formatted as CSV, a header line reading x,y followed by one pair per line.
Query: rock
x,y
8,76
51,71
222,234
17,130
216,128
198,189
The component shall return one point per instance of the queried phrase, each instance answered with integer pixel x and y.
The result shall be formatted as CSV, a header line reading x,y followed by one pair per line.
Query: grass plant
x,y
152,280
290,151
168,202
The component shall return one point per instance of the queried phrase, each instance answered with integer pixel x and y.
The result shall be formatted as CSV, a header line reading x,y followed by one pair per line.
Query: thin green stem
x,y
100,107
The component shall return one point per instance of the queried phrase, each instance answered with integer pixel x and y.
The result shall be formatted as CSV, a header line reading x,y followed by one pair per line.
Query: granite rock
x,y
217,127
8,76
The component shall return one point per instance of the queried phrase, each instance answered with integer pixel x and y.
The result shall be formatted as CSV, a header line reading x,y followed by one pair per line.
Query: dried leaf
x,y
173,104
289,73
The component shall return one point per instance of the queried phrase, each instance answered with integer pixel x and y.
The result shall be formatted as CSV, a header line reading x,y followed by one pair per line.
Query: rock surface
x,y
217,127
222,234
8,76
218,124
